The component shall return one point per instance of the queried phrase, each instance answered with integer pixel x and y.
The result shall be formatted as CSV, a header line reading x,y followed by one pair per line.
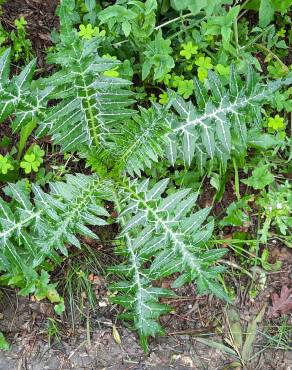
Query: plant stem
x,y
269,52
235,29
253,41
244,4
236,179
181,17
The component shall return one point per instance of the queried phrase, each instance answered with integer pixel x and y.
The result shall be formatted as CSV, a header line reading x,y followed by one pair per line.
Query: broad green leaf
x,y
4,345
235,328
251,333
158,57
216,345
266,12
261,177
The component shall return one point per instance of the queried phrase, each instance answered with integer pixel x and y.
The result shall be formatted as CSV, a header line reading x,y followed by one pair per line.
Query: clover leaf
x,y
20,23
32,159
222,70
186,88
88,32
281,32
189,49
29,163
176,80
5,165
204,64
276,123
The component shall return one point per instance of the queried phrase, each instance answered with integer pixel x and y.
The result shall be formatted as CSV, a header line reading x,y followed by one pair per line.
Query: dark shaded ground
x,y
41,20
93,346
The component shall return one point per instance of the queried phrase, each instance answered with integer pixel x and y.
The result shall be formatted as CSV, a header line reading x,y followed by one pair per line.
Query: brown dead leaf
x,y
281,304
45,36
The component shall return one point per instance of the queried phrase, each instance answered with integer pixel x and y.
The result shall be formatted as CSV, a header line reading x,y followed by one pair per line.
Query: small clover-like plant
x,y
185,88
222,70
163,98
188,50
176,80
282,32
32,159
204,65
113,72
5,164
276,123
21,44
88,32
166,79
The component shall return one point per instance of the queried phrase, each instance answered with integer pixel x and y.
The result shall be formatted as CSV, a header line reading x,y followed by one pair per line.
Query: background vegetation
x,y
161,129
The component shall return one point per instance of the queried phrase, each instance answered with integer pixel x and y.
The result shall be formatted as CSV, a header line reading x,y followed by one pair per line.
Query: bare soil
x,y
92,349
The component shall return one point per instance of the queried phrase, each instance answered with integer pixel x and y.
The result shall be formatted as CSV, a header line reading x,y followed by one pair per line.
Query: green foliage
x,y
158,58
208,130
283,100
260,178
221,25
276,69
91,103
148,159
3,38
4,345
31,231
237,213
188,50
18,97
276,207
32,159
208,5
53,330
167,230
267,8
275,123
25,133
20,44
134,18
5,164
88,32
185,88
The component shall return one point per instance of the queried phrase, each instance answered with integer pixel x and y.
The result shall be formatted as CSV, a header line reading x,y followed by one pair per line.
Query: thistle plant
x,y
85,111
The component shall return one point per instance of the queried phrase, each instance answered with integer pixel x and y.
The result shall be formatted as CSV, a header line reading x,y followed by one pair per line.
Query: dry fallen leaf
x,y
281,304
116,335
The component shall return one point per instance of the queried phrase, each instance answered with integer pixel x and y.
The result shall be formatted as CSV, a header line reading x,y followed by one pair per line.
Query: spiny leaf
x,y
162,235
221,116
30,230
